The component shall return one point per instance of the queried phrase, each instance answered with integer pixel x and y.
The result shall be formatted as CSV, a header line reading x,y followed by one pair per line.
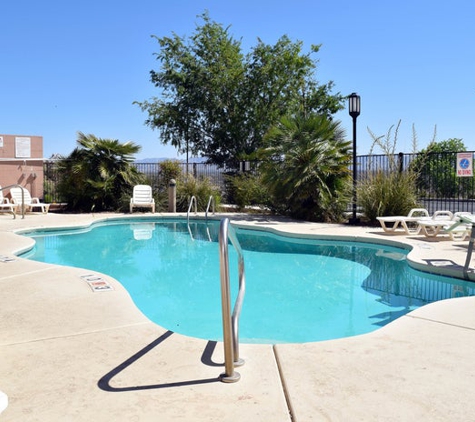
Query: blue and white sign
x,y
464,164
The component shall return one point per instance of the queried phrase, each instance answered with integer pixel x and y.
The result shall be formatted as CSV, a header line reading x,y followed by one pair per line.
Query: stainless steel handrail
x,y
466,219
22,198
230,323
211,201
193,199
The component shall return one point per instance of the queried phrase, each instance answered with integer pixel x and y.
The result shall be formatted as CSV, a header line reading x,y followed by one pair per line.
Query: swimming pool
x,y
297,290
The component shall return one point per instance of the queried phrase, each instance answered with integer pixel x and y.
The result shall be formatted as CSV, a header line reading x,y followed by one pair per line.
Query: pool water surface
x,y
297,290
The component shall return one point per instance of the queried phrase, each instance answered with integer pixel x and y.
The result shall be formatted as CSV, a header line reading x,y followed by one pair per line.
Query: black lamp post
x,y
354,110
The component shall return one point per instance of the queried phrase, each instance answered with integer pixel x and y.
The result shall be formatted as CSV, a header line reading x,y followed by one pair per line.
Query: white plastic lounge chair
x,y
29,202
404,223
452,227
142,198
6,205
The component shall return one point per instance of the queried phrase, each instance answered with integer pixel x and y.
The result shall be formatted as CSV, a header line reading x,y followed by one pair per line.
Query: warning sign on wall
x,y
22,147
464,164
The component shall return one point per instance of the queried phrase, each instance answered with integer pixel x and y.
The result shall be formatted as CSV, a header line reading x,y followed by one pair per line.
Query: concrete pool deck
x,y
70,354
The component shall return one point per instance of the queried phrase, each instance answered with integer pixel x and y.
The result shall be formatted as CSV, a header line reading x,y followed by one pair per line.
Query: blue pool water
x,y
297,290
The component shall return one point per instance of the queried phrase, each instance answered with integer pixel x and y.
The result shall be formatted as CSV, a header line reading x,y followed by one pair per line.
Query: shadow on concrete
x,y
206,358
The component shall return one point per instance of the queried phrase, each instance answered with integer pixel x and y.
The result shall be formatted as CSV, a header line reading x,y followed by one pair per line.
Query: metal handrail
x,y
22,198
466,219
193,199
230,323
211,201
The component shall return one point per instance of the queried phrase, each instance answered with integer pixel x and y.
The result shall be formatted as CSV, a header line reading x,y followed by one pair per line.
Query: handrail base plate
x,y
235,377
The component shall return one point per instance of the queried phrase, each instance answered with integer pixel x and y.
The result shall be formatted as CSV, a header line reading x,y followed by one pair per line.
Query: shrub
x,y
247,189
391,193
200,188
169,169
97,174
305,167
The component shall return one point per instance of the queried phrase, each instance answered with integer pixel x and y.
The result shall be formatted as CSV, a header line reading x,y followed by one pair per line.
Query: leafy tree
x,y
436,166
305,167
98,173
219,102
449,145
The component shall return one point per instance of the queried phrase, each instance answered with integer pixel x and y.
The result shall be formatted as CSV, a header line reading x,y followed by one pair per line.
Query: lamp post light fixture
x,y
354,103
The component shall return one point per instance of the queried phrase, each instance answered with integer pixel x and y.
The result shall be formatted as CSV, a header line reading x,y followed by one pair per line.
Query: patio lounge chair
x,y
452,227
142,198
6,205
29,202
404,223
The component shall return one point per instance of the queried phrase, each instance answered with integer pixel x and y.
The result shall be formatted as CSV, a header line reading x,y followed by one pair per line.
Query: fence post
x,y
172,196
401,162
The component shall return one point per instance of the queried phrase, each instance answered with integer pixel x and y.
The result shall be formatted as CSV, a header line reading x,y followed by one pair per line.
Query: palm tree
x,y
98,173
306,167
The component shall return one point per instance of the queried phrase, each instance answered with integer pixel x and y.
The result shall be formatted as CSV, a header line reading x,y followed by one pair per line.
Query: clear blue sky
x,y
70,66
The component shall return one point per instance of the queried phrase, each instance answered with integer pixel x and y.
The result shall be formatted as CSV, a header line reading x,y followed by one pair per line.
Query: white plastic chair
x,y
403,221
453,227
29,202
142,198
6,205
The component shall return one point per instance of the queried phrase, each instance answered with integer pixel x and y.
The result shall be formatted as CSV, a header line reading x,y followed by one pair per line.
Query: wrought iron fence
x,y
438,185
198,170
152,171
51,178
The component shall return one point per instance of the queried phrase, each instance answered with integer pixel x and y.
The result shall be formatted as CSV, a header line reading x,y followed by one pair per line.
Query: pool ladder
x,y
230,322
211,204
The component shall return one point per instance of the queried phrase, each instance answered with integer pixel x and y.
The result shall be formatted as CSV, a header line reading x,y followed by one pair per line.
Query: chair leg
x,y
390,229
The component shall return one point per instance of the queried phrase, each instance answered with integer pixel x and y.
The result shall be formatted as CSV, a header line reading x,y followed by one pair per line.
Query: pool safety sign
x,y
464,164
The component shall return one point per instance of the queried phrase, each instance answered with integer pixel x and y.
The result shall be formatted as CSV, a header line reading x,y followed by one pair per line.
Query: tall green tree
x,y
216,101
98,173
305,167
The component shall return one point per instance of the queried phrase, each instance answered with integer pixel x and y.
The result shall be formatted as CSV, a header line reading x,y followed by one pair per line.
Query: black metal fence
x,y
438,183
198,170
151,170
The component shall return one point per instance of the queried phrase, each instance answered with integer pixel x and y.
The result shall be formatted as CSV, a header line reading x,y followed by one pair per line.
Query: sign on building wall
x,y
1,141
22,147
464,164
